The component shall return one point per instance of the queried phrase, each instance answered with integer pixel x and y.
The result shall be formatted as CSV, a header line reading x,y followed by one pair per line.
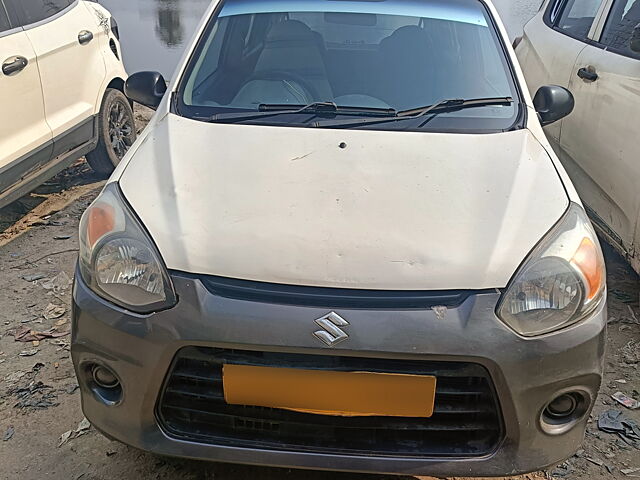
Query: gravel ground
x,y
39,401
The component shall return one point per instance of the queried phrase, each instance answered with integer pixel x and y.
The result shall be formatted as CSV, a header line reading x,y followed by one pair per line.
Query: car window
x,y
398,54
577,17
554,9
623,27
208,63
33,11
4,18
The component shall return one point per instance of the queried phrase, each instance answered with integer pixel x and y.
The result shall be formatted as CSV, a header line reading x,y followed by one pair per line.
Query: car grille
x,y
466,421
307,296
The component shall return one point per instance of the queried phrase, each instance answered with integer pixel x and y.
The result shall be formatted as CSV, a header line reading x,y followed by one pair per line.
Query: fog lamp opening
x,y
563,412
103,383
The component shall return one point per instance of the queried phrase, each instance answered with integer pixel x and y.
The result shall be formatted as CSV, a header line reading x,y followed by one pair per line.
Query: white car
x,y
61,91
592,47
343,242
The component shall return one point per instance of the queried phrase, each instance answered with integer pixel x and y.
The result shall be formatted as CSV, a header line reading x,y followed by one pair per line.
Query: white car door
x,y
600,139
71,63
25,137
552,41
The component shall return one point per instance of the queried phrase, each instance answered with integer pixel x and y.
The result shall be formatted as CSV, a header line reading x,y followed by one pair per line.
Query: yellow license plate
x,y
328,392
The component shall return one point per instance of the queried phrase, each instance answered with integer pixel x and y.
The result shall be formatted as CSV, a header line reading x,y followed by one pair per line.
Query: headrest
x,y
290,30
409,36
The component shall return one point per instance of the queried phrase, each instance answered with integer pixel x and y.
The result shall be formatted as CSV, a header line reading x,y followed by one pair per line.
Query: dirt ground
x,y
40,404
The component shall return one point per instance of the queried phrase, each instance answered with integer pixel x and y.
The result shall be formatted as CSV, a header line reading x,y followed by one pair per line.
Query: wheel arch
x,y
117,83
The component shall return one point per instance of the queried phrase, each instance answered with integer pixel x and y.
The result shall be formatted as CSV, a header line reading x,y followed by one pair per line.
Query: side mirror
x,y
635,39
553,103
146,88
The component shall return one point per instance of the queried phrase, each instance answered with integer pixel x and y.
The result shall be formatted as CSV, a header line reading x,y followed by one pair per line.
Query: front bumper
x,y
526,373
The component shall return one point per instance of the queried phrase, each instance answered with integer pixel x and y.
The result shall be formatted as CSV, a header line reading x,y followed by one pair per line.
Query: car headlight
x,y
118,260
560,283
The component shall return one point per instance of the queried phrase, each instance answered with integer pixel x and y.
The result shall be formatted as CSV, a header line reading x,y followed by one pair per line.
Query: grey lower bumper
x,y
527,373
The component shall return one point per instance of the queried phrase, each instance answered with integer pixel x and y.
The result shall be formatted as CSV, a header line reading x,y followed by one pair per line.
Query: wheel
x,y
116,132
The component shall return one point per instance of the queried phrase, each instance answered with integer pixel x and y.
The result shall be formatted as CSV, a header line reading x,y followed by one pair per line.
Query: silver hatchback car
x,y
343,242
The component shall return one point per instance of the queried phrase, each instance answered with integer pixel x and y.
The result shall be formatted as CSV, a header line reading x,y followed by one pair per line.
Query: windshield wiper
x,y
272,109
447,105
331,107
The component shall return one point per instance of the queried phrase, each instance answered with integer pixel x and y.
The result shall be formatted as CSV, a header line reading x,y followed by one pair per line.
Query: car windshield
x,y
370,55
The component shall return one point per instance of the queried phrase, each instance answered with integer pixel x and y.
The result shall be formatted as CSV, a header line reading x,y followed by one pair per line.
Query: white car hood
x,y
392,210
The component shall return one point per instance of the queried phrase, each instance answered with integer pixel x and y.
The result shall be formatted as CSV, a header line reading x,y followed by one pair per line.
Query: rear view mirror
x,y
146,88
635,39
553,103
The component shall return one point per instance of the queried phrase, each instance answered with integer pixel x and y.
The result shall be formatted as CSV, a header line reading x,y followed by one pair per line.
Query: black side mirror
x,y
553,103
635,39
146,88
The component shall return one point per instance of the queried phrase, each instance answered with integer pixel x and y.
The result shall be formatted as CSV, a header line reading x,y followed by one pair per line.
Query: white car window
x,y
37,10
4,19
623,27
577,17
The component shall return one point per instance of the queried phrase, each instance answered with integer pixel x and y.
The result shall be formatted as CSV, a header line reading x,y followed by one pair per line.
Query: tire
x,y
116,132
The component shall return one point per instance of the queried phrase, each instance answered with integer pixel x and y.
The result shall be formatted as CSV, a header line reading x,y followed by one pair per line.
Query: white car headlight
x,y
560,283
118,260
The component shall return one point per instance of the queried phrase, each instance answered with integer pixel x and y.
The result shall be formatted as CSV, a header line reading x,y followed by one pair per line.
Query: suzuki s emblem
x,y
331,333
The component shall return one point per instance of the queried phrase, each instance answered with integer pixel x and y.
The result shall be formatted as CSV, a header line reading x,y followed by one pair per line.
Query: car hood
x,y
343,208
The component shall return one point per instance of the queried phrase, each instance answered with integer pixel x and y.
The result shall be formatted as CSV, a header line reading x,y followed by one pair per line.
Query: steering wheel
x,y
307,89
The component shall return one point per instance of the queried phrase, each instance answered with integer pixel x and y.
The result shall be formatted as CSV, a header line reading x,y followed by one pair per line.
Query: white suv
x,y
61,84
592,47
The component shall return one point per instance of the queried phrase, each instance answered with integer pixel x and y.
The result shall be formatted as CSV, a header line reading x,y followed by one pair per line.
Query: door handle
x,y
588,73
85,37
14,65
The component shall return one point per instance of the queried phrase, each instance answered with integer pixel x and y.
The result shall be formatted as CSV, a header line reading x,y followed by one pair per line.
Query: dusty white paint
x,y
394,210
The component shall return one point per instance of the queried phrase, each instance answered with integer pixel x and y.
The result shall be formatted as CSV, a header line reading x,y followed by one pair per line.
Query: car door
x,y
552,41
71,65
25,136
600,139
